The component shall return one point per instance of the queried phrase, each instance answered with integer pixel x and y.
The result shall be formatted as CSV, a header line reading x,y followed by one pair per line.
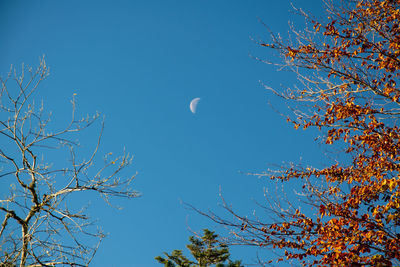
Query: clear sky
x,y
140,63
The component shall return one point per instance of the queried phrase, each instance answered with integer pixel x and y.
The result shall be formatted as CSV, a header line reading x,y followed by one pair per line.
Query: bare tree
x,y
42,223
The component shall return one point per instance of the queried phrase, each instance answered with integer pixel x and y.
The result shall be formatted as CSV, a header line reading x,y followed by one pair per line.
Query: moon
x,y
193,104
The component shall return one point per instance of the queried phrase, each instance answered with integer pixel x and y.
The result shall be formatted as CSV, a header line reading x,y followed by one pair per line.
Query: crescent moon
x,y
193,104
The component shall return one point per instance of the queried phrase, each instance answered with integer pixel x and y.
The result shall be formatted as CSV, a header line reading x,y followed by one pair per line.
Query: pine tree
x,y
207,251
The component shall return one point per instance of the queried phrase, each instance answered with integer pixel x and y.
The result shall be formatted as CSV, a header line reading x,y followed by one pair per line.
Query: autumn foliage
x,y
349,67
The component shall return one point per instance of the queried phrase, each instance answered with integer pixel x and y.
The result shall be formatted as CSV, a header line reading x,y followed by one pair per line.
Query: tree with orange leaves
x,y
349,68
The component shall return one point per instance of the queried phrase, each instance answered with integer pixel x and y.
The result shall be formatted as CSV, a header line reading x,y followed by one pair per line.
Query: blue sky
x,y
140,63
